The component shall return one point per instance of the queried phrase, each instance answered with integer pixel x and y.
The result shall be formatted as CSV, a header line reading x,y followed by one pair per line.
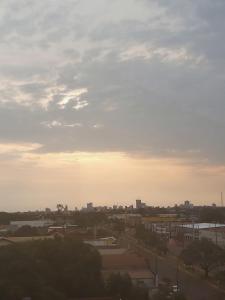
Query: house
x,y
14,239
131,264
102,242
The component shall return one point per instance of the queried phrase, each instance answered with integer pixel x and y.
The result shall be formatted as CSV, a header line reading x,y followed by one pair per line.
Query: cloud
x,y
148,74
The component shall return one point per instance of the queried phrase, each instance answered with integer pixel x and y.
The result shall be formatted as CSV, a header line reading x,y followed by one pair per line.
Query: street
x,y
194,288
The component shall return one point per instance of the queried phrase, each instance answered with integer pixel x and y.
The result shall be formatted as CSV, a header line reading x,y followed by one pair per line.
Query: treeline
x,y
6,217
84,219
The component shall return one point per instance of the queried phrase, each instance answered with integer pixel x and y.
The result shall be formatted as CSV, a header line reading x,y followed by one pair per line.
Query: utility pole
x,y
177,275
216,234
156,272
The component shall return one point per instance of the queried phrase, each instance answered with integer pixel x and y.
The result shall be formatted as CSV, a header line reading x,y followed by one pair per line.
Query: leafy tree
x,y
26,230
212,214
203,253
88,219
50,269
118,226
120,285
220,277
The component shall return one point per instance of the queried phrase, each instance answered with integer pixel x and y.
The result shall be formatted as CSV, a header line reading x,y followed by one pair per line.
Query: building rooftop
x,y
123,261
112,251
140,274
202,225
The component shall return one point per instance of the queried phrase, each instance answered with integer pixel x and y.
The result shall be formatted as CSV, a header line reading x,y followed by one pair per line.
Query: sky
x,y
109,101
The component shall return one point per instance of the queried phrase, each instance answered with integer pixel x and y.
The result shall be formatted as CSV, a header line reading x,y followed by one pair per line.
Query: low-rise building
x,y
102,242
21,239
195,231
31,223
216,235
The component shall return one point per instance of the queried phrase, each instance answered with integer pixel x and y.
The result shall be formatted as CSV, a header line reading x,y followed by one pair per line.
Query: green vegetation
x,y
118,226
119,285
220,278
203,253
50,269
88,219
27,230
59,269
212,214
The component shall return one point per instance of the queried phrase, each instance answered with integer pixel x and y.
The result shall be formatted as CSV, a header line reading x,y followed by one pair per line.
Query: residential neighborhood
x,y
140,243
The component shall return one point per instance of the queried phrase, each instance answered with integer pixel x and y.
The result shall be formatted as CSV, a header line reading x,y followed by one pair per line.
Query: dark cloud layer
x,y
139,76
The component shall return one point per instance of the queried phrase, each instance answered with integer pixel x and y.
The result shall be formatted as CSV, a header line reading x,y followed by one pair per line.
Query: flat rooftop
x,y
202,225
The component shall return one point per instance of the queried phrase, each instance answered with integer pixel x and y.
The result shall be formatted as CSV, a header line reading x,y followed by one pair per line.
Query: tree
x,y
220,277
118,226
50,269
203,253
212,214
26,230
120,285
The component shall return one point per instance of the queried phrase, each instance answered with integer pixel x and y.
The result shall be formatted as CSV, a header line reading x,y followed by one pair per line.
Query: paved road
x,y
193,287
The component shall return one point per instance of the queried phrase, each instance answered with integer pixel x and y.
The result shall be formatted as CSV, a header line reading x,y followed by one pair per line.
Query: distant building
x,y
32,223
140,204
187,205
90,207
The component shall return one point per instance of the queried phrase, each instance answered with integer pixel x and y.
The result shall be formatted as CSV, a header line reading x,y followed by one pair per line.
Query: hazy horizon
x,y
109,101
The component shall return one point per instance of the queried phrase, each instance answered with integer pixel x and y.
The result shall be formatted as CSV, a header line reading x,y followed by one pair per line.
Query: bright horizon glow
x,y
43,180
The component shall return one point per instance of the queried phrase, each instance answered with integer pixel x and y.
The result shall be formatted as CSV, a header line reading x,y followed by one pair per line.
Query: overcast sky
x,y
107,101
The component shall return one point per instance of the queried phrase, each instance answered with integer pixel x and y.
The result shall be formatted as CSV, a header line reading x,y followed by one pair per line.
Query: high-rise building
x,y
90,206
138,204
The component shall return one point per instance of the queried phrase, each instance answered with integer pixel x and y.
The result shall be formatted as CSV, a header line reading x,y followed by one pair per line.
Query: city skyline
x,y
106,102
